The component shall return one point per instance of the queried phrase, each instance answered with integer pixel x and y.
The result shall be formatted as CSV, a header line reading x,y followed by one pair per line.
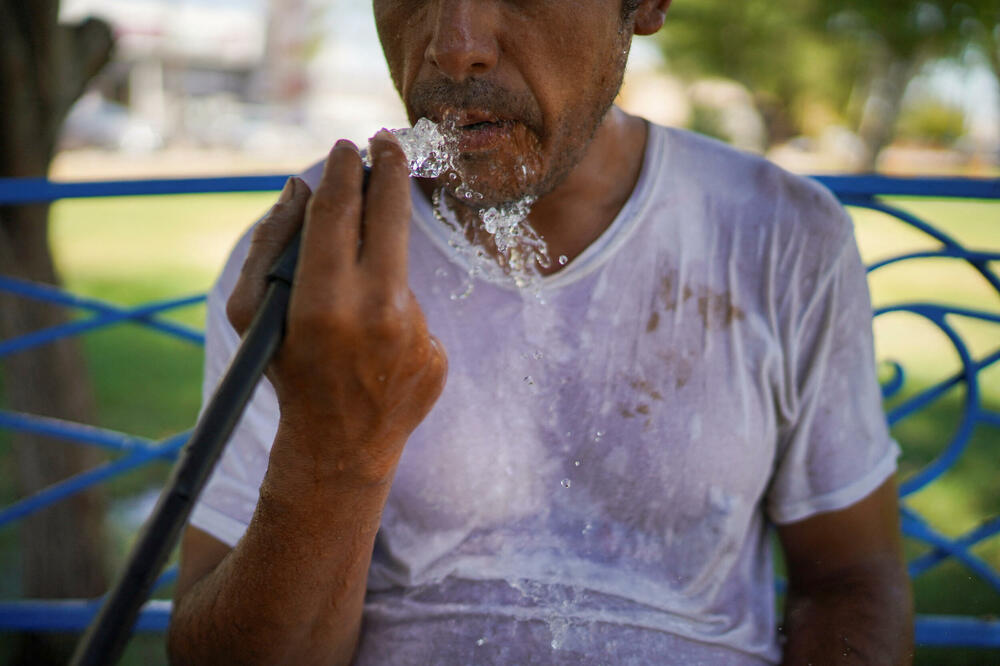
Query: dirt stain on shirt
x,y
716,308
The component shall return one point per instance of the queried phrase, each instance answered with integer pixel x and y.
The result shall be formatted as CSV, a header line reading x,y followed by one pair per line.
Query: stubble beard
x,y
531,173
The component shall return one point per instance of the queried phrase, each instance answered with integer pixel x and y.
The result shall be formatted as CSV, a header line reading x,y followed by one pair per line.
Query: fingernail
x,y
385,135
287,191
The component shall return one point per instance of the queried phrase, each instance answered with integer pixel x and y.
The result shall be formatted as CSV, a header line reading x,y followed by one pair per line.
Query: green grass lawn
x,y
131,250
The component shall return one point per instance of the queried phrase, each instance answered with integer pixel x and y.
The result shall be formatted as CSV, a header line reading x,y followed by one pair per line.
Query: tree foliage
x,y
855,57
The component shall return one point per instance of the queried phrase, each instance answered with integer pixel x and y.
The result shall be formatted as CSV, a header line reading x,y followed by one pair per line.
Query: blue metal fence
x,y
863,192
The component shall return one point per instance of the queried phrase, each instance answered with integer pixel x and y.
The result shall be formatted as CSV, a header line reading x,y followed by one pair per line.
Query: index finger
x,y
330,234
384,253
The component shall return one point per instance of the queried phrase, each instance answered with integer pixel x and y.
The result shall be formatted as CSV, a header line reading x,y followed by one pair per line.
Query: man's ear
x,y
649,16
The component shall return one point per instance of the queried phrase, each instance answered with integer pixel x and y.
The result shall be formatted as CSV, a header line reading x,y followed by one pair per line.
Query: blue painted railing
x,y
863,192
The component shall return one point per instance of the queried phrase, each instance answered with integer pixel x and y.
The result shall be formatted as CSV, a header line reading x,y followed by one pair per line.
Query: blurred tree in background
x,y
979,24
896,39
850,59
44,68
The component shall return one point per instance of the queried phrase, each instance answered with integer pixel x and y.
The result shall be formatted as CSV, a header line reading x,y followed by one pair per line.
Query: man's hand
x,y
356,373
358,369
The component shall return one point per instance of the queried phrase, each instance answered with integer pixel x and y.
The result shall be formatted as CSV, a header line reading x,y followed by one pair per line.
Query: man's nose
x,y
464,42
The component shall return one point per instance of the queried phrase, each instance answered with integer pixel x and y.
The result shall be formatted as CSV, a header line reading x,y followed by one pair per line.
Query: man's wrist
x,y
305,471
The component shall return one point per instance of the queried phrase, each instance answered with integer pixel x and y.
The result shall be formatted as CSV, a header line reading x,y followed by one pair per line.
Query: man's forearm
x,y
852,619
292,590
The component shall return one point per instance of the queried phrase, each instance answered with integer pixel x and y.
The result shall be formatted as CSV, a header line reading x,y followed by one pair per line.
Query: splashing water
x,y
430,151
521,251
427,149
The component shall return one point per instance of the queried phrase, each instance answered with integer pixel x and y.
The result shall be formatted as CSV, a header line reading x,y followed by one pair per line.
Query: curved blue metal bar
x,y
974,258
74,615
33,190
77,614
945,630
143,315
936,314
871,185
970,539
914,526
80,482
932,393
39,190
946,253
940,630
894,384
78,432
44,336
166,578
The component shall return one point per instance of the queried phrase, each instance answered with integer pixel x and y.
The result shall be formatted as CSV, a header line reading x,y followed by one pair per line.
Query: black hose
x,y
108,634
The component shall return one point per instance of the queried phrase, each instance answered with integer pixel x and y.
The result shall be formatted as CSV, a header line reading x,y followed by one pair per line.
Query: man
x,y
595,483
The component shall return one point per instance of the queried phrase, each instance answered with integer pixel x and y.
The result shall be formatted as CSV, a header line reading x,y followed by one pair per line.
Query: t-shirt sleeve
x,y
834,446
230,496
229,499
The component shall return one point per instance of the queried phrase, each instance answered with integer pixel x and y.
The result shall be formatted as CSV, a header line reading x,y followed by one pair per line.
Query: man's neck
x,y
577,212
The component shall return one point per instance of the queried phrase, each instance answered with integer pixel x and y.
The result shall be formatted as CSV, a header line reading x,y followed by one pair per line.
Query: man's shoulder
x,y
745,184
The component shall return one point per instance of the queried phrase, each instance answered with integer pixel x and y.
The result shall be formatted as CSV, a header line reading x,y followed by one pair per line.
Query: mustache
x,y
432,98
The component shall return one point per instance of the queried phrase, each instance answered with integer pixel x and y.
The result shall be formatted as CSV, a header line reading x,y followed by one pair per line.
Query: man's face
x,y
525,82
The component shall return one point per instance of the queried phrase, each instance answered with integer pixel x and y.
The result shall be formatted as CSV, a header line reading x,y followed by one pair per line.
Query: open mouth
x,y
484,124
476,119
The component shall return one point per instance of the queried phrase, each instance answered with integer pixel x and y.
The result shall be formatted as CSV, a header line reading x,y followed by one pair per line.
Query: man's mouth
x,y
479,130
471,118
480,125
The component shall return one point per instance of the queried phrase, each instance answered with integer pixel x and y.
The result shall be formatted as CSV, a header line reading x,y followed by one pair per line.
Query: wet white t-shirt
x,y
595,484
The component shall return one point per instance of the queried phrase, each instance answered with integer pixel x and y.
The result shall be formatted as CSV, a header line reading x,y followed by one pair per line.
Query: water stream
x,y
497,242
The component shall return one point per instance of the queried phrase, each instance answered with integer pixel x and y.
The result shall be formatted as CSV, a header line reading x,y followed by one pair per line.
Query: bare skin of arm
x,y
849,599
357,372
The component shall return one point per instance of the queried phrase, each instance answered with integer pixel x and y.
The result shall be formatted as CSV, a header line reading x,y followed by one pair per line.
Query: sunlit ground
x,y
131,250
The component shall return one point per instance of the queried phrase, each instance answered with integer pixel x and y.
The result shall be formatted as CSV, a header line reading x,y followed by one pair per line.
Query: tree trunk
x,y
885,97
992,47
44,68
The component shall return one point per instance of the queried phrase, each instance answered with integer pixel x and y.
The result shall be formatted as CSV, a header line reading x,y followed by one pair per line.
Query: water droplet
x,y
586,528
481,642
441,272
381,378
537,354
565,483
576,463
563,259
528,380
598,435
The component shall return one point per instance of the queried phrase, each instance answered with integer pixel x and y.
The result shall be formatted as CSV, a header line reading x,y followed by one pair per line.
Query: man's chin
x,y
488,183
482,196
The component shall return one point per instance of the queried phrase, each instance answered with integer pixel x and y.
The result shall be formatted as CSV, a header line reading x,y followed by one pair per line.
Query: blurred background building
x,y
258,84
